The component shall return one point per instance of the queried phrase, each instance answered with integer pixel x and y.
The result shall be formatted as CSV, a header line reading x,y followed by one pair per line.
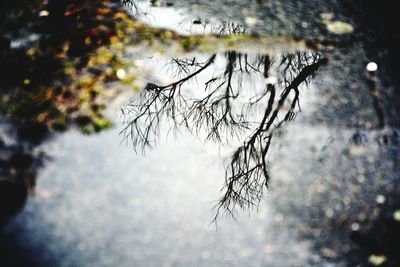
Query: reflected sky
x,y
243,97
182,21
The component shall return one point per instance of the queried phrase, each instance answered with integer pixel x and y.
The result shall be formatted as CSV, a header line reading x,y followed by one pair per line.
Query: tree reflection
x,y
227,109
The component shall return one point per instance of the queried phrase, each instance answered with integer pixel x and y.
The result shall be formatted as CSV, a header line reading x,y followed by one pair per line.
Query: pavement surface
x,y
334,170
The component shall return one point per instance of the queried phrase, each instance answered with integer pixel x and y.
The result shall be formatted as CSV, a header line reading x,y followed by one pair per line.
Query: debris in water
x,y
355,226
380,199
44,13
121,74
372,67
329,212
250,21
339,27
326,16
396,215
377,259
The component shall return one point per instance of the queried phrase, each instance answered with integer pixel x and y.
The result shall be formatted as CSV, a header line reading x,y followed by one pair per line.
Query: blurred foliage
x,y
57,62
60,78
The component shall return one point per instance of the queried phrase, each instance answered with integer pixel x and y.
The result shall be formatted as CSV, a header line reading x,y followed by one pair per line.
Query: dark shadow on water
x,y
14,252
18,168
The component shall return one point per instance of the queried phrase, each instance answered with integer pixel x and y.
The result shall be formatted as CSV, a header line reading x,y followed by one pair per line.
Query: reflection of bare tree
x,y
226,109
130,3
223,28
192,24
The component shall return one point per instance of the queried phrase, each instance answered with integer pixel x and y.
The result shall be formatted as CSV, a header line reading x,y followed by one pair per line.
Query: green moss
x,y
61,123
129,80
101,124
97,124
88,129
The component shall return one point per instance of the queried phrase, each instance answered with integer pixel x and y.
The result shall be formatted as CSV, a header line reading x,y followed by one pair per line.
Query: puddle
x,y
305,142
